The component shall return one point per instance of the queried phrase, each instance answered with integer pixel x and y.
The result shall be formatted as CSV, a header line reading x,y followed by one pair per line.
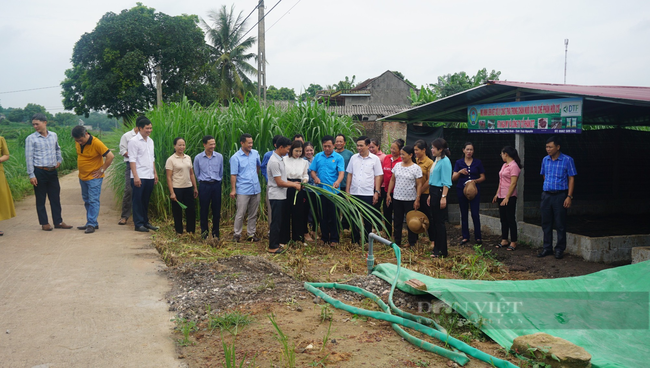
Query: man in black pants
x,y
364,182
208,168
43,156
558,171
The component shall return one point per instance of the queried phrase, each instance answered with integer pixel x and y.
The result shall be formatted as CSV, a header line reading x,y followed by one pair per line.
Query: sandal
x,y
510,247
276,250
122,221
2,233
479,242
464,241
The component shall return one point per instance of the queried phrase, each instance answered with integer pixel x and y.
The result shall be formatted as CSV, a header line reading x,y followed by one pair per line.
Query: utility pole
x,y
158,86
261,54
566,51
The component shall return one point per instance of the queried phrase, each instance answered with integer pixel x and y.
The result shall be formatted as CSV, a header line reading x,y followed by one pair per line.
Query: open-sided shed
x,y
612,163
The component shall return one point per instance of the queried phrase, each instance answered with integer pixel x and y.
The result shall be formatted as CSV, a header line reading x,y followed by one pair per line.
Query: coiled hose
x,y
418,323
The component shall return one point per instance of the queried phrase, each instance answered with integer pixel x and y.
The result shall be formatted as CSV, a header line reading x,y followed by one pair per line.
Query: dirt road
x,y
69,299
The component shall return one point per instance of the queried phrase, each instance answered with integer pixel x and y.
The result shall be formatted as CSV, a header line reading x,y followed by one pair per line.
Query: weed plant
x,y
186,327
288,348
230,321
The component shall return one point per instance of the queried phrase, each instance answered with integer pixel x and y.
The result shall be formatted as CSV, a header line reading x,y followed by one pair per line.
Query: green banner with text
x,y
563,115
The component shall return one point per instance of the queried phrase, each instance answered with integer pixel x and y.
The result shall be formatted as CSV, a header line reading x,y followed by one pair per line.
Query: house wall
x,y
388,89
357,100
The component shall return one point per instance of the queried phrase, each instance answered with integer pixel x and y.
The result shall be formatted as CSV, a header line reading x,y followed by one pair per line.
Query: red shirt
x,y
387,166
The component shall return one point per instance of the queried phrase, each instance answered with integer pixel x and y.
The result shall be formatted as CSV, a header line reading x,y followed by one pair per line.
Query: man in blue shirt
x,y
327,168
208,168
43,156
558,171
265,162
244,168
339,147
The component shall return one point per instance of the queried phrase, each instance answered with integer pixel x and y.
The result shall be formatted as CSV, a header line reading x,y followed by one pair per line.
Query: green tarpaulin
x,y
606,313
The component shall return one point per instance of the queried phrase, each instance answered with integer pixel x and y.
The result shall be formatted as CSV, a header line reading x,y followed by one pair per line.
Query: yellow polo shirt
x,y
90,157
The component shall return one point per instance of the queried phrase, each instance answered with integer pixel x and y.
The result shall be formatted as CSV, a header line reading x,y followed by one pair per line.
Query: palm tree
x,y
229,53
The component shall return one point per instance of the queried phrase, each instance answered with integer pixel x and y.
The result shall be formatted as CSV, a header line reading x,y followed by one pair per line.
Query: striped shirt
x,y
42,151
556,172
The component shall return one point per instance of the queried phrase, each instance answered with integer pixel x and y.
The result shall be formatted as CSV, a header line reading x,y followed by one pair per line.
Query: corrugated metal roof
x,y
603,105
622,92
380,110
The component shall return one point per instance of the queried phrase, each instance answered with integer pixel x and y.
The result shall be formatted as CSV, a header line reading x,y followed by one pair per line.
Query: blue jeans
x,y
91,190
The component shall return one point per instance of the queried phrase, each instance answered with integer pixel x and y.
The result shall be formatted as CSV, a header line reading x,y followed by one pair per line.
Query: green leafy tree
x,y
282,94
425,95
32,109
66,119
310,92
451,84
114,65
344,84
229,53
16,115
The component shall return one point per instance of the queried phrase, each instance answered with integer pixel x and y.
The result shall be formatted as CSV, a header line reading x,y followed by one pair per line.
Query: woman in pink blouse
x,y
507,197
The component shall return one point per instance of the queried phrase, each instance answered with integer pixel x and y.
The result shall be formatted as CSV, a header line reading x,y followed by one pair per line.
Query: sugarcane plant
x,y
354,210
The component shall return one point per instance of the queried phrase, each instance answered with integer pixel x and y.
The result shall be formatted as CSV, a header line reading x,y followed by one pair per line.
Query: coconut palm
x,y
230,56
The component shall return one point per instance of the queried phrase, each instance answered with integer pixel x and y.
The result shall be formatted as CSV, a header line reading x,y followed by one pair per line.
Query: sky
x,y
321,42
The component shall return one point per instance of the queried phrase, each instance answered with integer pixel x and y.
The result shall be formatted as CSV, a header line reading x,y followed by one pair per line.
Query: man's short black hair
x,y
141,123
244,137
275,139
39,116
327,138
341,135
206,138
365,140
555,139
79,131
282,142
298,135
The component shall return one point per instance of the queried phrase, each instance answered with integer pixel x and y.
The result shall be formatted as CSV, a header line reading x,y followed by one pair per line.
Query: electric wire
x,y
287,12
31,89
258,22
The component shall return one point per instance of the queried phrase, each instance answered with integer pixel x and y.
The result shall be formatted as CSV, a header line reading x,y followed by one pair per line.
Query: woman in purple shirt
x,y
469,169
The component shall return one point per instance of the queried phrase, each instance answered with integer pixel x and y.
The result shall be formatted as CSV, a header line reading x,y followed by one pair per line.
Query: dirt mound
x,y
230,282
240,280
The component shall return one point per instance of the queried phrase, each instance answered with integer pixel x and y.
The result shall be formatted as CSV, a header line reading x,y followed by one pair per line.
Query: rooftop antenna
x,y
566,50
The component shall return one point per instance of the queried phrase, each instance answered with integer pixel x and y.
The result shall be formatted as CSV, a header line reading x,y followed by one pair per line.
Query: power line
x,y
294,5
258,22
31,89
248,16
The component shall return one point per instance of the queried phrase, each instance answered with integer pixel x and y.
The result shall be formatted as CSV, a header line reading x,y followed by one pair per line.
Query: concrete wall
x,y
388,89
610,249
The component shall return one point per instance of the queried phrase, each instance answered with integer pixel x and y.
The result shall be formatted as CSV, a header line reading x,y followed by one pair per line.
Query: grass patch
x,y
230,321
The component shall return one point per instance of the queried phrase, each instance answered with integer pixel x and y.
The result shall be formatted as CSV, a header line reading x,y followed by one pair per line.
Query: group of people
x,y
408,178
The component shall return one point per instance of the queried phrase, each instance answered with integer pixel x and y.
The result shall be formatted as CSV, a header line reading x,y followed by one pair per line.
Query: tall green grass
x,y
192,122
16,167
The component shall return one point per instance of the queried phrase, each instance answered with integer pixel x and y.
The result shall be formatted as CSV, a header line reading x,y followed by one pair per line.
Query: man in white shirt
x,y
124,151
143,174
364,181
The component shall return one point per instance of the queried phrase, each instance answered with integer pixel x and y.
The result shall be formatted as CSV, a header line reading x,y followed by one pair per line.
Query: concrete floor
x,y
69,299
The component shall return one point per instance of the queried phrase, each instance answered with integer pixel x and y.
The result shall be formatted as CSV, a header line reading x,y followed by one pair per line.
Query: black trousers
x,y
424,208
466,205
329,221
438,221
275,227
554,215
186,197
293,224
388,212
210,198
507,215
311,202
47,187
140,199
367,226
401,208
